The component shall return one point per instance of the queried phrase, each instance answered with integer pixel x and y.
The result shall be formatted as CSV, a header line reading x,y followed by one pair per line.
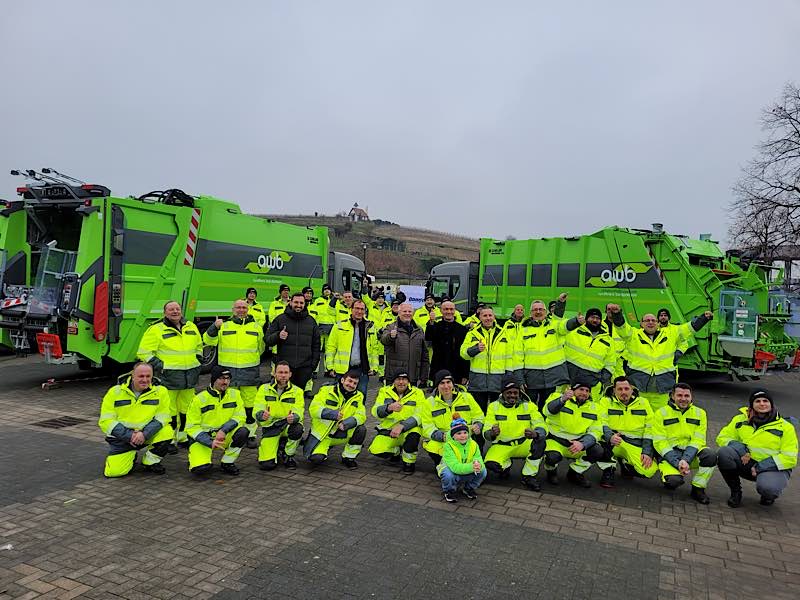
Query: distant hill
x,y
395,253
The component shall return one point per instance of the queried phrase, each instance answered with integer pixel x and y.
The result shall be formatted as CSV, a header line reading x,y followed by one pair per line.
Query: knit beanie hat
x,y
458,424
594,312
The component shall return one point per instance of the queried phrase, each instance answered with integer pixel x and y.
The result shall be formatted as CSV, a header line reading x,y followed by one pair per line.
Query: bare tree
x,y
766,212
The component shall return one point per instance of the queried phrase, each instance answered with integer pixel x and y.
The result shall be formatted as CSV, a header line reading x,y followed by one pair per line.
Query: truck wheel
x,y
209,359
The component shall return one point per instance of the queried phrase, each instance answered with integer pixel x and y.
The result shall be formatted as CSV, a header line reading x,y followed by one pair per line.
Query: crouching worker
x,y
398,430
461,463
679,437
337,418
627,433
279,408
575,430
216,420
516,429
135,416
759,445
437,411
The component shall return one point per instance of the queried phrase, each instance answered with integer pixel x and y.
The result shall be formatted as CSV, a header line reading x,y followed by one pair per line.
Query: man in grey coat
x,y
405,346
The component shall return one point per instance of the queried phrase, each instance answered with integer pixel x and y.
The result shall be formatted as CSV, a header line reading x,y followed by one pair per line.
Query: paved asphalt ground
x,y
67,532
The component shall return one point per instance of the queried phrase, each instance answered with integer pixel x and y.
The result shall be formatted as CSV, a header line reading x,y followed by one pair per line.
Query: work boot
x,y
626,470
607,480
504,474
229,468
409,468
469,494
395,458
449,497
290,463
155,469
766,501
731,477
184,444
699,495
578,478
252,443
531,482
350,463
552,476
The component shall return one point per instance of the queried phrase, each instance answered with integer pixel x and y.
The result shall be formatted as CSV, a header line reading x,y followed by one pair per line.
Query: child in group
x,y
461,462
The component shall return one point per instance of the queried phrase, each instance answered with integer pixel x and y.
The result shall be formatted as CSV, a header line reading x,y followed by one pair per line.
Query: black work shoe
x,y
156,469
469,494
552,476
607,480
409,468
735,501
350,463
395,458
172,449
531,482
766,501
229,468
578,478
449,497
699,495
626,471
184,444
252,443
290,463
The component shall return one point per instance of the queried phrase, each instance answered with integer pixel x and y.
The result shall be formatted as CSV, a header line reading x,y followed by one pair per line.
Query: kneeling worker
x,y
216,419
575,428
337,417
517,430
135,415
398,430
679,437
279,408
437,411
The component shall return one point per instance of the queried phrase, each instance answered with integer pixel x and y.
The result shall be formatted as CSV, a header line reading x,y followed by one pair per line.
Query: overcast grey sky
x,y
485,118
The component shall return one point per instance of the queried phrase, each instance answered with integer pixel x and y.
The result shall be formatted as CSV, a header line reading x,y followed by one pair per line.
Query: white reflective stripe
x,y
585,351
238,351
166,352
238,365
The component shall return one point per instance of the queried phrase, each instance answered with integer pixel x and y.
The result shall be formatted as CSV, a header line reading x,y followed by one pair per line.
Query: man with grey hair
x,y
406,351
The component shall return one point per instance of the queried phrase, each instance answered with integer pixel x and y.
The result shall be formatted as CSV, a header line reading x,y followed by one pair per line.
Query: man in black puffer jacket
x,y
296,335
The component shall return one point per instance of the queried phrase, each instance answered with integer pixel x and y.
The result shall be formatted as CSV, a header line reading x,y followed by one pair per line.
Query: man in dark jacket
x,y
445,337
405,347
296,335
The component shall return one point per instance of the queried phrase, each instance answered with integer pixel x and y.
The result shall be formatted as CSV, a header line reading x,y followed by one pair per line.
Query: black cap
x,y
308,289
284,287
594,312
509,383
431,296
251,289
759,393
580,384
400,373
325,286
441,376
217,371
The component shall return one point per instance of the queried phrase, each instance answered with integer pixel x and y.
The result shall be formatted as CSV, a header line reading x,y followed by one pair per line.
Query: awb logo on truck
x,y
633,275
267,263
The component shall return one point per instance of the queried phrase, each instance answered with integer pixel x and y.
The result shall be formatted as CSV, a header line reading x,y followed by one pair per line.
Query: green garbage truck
x,y
642,271
84,273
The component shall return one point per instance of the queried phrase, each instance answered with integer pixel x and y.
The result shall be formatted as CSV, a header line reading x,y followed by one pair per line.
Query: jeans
x,y
472,481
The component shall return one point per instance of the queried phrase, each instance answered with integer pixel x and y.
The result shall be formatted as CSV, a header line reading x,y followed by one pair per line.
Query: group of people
x,y
587,390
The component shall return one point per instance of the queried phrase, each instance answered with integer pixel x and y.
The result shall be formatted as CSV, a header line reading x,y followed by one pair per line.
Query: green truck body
x,y
642,271
96,270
